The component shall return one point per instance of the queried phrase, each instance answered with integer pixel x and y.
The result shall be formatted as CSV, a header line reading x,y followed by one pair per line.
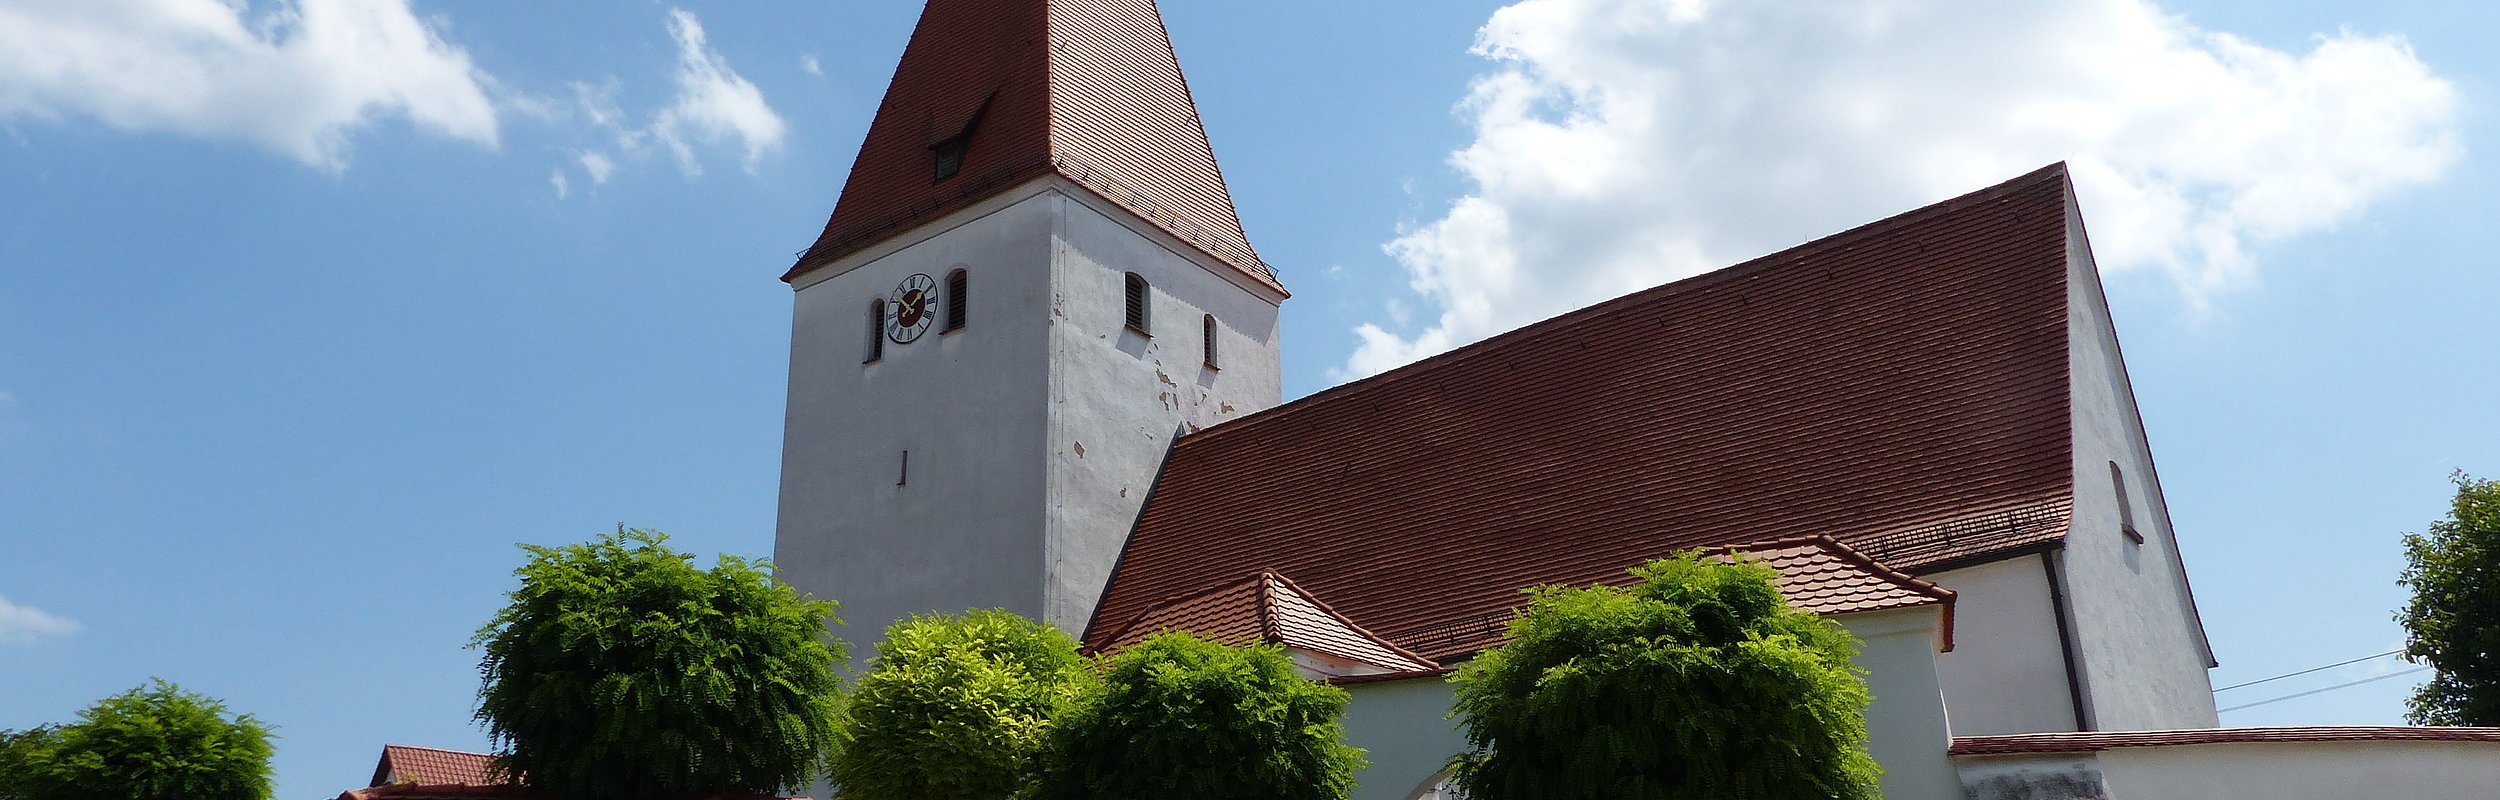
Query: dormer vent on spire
x,y
991,94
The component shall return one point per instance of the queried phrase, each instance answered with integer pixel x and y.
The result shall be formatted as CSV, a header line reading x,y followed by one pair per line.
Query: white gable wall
x,y
2138,641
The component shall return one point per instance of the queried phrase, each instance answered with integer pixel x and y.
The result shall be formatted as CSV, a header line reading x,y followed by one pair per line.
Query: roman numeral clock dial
x,y
908,311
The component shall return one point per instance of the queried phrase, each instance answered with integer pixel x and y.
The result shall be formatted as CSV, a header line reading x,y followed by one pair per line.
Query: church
x,y
1034,366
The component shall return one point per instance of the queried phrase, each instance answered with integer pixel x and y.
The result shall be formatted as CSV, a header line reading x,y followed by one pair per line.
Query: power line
x,y
2327,689
2305,671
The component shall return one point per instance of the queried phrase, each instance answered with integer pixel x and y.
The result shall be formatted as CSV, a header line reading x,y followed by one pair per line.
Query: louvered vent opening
x,y
1209,347
876,332
958,292
1137,306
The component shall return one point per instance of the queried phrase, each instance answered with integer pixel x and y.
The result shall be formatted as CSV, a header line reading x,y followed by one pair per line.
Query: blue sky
x,y
299,335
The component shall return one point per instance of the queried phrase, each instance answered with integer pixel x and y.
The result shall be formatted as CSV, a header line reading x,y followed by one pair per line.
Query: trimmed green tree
x,y
957,707
2453,622
1698,681
18,751
150,743
620,670
1180,716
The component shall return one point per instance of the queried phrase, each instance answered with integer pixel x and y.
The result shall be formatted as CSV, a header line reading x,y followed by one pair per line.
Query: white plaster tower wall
x,y
962,527
1034,433
1118,396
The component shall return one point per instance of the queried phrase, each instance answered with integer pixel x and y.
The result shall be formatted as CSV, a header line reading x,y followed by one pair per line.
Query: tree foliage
x,y
18,751
2453,621
956,708
620,670
154,742
1178,716
1698,681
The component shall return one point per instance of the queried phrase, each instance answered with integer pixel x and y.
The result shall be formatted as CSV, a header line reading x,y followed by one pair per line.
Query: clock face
x,y
908,311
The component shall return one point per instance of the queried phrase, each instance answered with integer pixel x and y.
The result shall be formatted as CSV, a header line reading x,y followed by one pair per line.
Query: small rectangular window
x,y
1210,340
1138,309
876,331
950,156
958,292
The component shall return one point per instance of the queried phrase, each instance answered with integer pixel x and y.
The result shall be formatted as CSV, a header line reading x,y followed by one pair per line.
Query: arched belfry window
x,y
1139,310
876,331
958,293
2126,510
1209,329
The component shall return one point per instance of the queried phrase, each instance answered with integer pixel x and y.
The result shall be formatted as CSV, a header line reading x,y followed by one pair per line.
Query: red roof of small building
x,y
1901,387
433,766
1268,608
1085,89
1821,575
2096,741
1817,574
410,791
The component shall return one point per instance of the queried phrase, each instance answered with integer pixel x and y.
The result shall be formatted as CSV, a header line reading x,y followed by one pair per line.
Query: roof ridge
x,y
1730,272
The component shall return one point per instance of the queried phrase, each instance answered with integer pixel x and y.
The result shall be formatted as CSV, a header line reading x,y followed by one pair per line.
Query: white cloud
x,y
1624,143
22,624
564,187
809,65
714,104
597,165
299,79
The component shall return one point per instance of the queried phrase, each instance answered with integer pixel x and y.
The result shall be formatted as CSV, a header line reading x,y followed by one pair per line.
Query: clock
x,y
908,311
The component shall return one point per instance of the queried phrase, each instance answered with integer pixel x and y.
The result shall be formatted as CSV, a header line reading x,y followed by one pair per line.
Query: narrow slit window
x,y
1209,325
958,291
876,332
1137,307
2126,510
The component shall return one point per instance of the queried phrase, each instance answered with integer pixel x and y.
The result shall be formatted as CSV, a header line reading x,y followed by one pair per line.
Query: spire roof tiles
x,y
1087,90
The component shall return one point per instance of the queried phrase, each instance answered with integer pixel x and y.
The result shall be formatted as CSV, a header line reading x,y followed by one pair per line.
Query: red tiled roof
x,y
2093,742
1086,89
1821,575
410,791
1901,387
1265,607
1816,573
433,766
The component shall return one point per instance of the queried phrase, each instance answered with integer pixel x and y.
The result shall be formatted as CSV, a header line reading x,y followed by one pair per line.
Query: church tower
x,y
1033,280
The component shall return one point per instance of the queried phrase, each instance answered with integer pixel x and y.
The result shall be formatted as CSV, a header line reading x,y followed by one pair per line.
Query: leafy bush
x,y
1699,681
1182,717
957,708
155,742
620,670
2453,621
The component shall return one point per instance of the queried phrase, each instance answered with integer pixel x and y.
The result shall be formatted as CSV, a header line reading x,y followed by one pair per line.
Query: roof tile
x,y
433,766
1265,607
1085,89
1901,387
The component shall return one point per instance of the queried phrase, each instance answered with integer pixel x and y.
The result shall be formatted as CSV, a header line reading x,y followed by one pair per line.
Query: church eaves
x,y
1019,89
1901,387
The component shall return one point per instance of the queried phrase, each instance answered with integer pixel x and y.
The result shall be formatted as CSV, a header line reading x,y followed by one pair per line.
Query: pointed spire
x,y
991,94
